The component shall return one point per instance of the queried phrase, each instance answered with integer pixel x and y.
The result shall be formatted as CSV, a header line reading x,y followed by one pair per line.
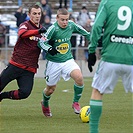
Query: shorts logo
x,y
63,48
47,78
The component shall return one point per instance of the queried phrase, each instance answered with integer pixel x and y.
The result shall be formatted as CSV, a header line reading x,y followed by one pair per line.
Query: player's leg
x,y
45,102
127,77
52,73
104,81
96,110
71,70
47,94
7,76
78,88
25,83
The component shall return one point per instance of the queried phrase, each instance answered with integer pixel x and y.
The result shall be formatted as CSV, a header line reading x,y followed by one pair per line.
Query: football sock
x,y
45,100
77,92
9,95
4,95
96,111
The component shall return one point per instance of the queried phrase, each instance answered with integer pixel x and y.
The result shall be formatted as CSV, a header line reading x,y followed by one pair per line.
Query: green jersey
x,y
59,38
115,18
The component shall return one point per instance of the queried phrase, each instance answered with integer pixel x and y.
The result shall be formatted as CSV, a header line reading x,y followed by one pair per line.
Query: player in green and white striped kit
x,y
60,60
116,18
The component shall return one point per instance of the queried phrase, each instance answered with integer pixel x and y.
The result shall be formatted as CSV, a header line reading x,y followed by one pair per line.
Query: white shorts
x,y
54,71
107,74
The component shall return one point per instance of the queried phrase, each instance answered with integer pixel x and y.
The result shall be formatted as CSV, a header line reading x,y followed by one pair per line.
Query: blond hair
x,y
62,11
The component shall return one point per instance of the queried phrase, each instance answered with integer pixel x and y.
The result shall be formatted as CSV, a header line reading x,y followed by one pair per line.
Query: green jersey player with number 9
x,y
115,18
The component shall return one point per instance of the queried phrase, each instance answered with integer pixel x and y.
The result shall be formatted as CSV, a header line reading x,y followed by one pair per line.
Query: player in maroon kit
x,y
24,61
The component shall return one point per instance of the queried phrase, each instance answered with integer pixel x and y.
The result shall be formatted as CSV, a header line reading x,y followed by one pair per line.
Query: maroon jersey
x,y
26,52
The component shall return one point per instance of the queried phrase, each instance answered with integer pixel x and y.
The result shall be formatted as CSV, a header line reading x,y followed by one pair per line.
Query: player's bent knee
x,y
51,91
24,95
79,81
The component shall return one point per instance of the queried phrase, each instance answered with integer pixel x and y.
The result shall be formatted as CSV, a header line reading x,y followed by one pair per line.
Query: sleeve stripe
x,y
43,46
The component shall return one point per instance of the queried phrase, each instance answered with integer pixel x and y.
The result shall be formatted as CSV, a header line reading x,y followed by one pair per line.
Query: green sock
x,y
45,100
77,92
96,111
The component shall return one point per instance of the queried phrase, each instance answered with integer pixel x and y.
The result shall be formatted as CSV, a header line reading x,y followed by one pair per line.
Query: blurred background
x,y
14,12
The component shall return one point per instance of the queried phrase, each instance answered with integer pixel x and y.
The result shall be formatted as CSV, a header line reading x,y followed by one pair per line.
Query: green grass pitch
x,y
25,116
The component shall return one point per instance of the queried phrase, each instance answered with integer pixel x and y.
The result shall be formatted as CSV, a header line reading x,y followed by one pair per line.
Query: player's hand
x,y
42,30
91,61
52,51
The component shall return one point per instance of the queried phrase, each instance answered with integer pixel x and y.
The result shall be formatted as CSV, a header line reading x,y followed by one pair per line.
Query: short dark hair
x,y
34,6
84,7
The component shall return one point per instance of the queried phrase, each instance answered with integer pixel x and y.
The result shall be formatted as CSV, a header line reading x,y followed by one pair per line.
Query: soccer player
x,y
24,61
60,62
117,53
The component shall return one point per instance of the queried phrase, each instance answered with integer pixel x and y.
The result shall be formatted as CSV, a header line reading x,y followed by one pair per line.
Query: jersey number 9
x,y
125,16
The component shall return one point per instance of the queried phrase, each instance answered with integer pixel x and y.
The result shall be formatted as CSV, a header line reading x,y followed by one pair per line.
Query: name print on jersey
x,y
121,39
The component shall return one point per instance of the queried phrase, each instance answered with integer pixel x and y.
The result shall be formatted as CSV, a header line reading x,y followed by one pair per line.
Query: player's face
x,y
35,16
62,20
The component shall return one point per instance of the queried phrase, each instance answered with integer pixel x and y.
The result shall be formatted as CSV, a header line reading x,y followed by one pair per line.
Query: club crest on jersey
x,y
63,48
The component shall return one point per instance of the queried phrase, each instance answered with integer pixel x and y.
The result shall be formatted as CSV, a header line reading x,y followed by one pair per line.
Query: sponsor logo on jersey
x,y
59,40
34,38
121,39
62,40
63,48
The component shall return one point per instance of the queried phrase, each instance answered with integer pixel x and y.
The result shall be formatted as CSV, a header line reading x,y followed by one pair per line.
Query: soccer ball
x,y
85,114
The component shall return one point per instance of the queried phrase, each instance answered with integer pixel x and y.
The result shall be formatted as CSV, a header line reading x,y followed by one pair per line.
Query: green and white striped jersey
x,y
116,19
59,38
